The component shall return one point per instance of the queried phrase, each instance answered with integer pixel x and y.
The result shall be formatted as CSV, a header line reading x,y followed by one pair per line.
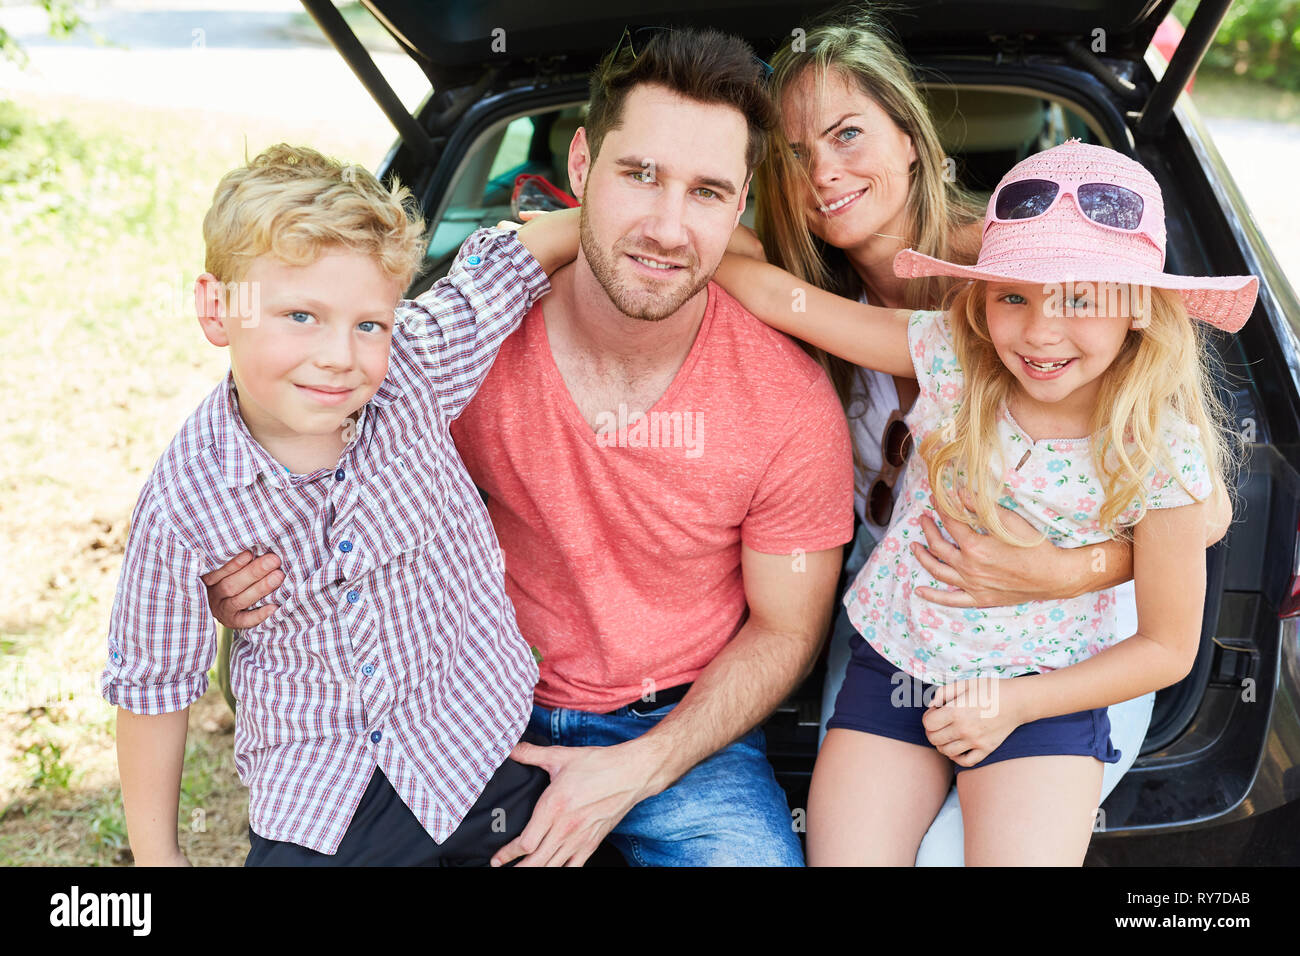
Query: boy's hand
x,y
526,215
551,237
240,583
967,720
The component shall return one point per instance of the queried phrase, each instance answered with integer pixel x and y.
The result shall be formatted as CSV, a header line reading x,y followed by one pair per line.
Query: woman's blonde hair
x,y
292,202
937,209
1164,368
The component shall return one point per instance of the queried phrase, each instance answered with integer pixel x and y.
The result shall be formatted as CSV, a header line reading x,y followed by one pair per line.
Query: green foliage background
x,y
1258,38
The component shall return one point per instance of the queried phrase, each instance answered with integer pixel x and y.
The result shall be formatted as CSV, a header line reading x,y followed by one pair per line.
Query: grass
x,y
100,216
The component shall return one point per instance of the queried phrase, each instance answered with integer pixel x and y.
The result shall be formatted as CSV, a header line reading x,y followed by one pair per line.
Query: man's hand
x,y
968,719
240,583
591,790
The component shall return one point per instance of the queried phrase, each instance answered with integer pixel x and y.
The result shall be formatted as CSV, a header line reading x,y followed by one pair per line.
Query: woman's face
x,y
857,158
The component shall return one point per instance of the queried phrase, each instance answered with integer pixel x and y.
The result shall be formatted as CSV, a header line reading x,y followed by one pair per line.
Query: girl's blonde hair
x,y
938,208
1164,368
292,202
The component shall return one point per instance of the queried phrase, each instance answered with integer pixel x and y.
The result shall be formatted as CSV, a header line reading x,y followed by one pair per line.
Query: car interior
x,y
986,131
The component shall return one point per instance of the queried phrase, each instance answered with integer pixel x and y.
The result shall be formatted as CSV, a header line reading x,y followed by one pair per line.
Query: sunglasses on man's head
x,y
1106,204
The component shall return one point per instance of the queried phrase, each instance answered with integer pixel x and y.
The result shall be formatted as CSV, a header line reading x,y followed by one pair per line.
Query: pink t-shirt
x,y
622,543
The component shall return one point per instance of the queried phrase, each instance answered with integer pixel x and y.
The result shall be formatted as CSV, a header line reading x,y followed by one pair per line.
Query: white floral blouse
x,y
1051,483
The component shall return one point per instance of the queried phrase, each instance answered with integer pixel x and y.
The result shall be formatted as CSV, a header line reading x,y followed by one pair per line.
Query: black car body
x,y
1005,78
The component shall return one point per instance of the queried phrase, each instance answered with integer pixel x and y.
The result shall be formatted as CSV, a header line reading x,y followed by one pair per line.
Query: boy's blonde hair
x,y
1163,368
292,202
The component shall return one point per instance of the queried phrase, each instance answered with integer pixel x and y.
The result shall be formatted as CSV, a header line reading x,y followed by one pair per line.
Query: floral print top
x,y
1051,483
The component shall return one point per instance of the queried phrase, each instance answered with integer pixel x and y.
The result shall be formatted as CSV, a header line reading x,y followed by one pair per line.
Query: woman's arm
x,y
984,571
967,723
865,335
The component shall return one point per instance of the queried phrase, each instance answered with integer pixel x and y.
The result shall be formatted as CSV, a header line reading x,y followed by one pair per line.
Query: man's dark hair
x,y
702,65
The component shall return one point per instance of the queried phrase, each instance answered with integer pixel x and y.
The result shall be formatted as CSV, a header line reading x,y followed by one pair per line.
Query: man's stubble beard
x,y
635,304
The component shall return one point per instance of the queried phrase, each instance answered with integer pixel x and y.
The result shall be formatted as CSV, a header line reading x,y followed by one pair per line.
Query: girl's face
x,y
1057,340
857,158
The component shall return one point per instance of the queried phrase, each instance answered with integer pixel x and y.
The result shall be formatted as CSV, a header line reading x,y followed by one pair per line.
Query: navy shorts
x,y
877,698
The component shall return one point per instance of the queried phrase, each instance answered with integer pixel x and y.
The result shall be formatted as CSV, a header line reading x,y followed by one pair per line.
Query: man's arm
x,y
790,603
592,788
150,754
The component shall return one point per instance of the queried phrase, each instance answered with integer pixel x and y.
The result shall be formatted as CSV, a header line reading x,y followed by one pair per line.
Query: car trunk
x,y
489,61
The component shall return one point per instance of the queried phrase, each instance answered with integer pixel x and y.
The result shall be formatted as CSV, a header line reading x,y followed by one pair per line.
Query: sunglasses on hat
x,y
1106,204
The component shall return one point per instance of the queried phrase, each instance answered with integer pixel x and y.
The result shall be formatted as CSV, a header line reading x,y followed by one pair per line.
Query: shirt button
x,y
473,261
368,669
354,597
338,475
345,546
374,737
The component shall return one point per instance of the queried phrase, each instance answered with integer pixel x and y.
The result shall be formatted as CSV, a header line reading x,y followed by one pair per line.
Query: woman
x,y
855,174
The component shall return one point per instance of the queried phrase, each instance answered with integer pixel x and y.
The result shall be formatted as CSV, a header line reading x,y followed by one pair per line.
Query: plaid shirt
x,y
395,643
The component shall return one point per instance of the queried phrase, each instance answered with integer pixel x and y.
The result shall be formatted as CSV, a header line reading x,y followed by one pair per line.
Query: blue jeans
x,y
728,810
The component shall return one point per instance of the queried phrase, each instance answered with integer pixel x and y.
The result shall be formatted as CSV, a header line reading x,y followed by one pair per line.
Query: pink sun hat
x,y
1063,245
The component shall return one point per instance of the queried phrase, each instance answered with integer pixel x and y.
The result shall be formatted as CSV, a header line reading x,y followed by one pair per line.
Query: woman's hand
x,y
240,583
744,242
985,571
968,719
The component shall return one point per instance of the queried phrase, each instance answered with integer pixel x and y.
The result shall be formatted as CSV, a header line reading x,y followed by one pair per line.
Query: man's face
x,y
661,199
308,344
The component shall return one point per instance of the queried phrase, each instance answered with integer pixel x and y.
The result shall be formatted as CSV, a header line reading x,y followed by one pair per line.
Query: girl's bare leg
x,y
872,799
1029,811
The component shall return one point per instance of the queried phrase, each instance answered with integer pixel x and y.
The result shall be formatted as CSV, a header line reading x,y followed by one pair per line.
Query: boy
x,y
378,707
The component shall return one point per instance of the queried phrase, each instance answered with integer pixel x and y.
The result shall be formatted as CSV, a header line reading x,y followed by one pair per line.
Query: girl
x,y
1067,385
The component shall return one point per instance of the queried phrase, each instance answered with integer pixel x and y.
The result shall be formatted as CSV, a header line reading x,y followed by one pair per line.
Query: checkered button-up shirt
x,y
394,643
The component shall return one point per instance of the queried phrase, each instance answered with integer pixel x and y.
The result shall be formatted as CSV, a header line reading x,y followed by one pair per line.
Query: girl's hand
x,y
986,571
744,242
968,720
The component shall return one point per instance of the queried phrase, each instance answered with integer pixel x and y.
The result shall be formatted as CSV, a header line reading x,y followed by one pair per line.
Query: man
x,y
671,482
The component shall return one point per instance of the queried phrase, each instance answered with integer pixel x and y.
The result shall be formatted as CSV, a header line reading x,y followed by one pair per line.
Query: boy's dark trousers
x,y
384,832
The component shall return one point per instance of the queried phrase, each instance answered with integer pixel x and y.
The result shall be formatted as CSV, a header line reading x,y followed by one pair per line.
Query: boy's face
x,y
308,344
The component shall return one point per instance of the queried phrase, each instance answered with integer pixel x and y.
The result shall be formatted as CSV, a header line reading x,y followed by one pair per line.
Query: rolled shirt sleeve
x,y
161,636
457,326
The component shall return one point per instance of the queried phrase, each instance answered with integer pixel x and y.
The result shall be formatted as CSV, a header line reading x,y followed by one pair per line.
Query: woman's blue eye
x,y
1014,298
846,131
